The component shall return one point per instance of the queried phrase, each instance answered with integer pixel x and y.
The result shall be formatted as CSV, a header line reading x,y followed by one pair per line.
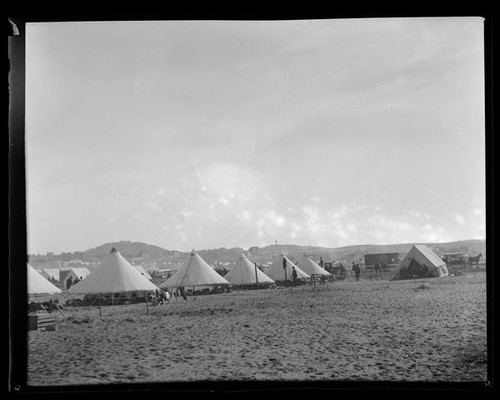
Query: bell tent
x,y
420,262
38,285
114,275
277,269
195,272
310,267
245,273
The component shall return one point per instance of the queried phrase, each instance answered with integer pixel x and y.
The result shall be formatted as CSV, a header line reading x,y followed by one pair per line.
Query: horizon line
x,y
269,245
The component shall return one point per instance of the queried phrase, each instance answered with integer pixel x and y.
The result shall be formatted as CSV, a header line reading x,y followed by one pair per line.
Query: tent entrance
x,y
415,269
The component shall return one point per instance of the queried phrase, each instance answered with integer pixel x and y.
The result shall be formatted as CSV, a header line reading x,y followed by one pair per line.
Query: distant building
x,y
381,259
163,273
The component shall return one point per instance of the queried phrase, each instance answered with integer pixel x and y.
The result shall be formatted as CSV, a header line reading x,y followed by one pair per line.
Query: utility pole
x,y
284,266
256,277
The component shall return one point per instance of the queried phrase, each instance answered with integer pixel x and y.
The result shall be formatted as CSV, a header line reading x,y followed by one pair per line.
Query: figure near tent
x,y
294,276
356,270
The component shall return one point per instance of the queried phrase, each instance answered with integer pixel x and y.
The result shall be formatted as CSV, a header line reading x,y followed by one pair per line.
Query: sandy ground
x,y
419,330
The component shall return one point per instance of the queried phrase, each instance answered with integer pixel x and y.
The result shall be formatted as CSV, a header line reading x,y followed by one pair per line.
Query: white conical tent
x,y
114,275
243,273
38,285
195,272
310,267
277,272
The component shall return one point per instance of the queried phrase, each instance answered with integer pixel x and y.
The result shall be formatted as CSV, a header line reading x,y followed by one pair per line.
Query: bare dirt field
x,y
431,330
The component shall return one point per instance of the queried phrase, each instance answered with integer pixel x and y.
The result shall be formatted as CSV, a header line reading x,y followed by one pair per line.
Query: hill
x,y
155,255
128,249
356,252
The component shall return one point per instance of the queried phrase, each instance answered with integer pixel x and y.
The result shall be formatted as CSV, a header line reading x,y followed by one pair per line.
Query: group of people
x,y
341,270
70,282
160,296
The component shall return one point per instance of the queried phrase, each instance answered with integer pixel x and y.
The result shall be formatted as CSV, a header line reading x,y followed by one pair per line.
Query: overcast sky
x,y
211,134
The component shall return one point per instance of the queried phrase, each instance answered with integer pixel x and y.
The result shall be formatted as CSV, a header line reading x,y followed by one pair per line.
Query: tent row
x,y
78,273
117,275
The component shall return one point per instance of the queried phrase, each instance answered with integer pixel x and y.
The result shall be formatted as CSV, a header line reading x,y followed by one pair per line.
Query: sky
x,y
209,134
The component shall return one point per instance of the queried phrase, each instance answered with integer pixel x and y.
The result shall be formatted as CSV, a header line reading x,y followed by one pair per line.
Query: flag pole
x,y
284,266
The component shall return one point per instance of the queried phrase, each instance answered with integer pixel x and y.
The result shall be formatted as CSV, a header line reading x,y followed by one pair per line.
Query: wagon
x,y
455,258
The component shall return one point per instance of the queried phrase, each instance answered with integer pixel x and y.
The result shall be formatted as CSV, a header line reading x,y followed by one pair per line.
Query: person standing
x,y
342,271
294,276
183,293
357,271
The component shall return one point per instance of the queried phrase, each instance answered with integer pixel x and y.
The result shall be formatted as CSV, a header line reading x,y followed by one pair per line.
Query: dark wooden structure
x,y
42,321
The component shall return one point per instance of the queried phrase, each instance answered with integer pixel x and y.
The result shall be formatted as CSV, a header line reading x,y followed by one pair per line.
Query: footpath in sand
x,y
430,330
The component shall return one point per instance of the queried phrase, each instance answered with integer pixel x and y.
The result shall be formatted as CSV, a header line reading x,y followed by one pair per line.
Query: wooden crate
x,y
46,322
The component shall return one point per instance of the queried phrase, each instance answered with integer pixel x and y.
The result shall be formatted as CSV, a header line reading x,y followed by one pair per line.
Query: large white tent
x,y
277,272
246,273
310,267
195,272
114,275
38,285
421,262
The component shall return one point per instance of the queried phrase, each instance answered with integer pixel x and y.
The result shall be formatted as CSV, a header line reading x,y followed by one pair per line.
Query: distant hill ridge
x,y
128,249
131,249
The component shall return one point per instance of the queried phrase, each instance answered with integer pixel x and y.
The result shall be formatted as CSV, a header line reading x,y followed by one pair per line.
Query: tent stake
x,y
99,301
147,304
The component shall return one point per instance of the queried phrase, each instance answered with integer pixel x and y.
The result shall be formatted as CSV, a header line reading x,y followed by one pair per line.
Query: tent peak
x,y
113,250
